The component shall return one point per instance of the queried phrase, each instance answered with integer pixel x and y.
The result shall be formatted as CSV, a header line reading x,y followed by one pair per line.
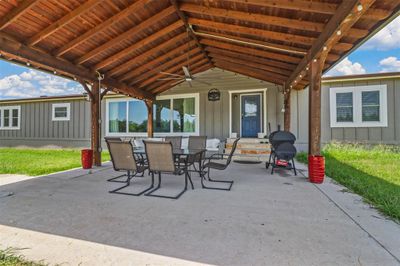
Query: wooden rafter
x,y
178,60
264,19
311,6
123,68
37,57
256,59
345,17
187,26
63,21
126,35
16,13
146,41
150,65
102,26
251,51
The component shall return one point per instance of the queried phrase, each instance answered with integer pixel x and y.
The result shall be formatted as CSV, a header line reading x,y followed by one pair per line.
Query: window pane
x,y
137,117
162,116
6,122
344,107
184,115
60,112
117,117
370,106
15,117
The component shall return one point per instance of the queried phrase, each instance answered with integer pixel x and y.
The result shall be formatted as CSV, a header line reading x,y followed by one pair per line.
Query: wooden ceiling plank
x,y
285,73
62,21
125,67
36,57
162,67
188,28
264,19
251,51
156,61
126,35
127,51
252,73
261,60
102,26
345,17
17,12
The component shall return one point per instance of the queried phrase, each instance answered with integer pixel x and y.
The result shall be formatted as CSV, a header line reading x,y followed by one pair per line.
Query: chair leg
x,y
215,181
117,177
269,161
128,182
150,193
294,167
273,165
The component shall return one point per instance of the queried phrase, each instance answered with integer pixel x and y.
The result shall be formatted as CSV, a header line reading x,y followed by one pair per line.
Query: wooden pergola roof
x,y
130,42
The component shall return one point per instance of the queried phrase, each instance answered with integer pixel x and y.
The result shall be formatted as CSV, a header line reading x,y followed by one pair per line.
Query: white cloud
x,y
346,67
390,64
33,83
386,39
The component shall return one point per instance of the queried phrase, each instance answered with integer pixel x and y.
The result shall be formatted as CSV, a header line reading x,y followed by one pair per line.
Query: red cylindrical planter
x,y
316,168
87,158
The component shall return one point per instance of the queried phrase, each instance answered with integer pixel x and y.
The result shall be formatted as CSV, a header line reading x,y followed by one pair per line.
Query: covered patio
x,y
266,219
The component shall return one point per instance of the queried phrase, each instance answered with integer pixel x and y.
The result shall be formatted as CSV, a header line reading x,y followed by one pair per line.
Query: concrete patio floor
x,y
278,219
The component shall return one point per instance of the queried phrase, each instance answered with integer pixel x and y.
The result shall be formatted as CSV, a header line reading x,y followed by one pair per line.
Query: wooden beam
x,y
133,73
126,35
95,121
36,57
146,41
314,111
249,63
286,115
86,88
256,59
189,29
166,67
102,26
345,17
267,34
150,130
123,68
63,21
264,19
17,12
257,74
104,92
251,51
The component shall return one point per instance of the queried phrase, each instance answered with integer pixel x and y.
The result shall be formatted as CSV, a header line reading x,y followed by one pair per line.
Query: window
x,y
176,114
10,117
359,106
61,111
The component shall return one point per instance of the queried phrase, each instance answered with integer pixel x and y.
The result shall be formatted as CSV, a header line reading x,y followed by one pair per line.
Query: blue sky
x,y
379,54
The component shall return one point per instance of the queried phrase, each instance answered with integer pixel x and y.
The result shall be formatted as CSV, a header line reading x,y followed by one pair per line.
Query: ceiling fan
x,y
188,77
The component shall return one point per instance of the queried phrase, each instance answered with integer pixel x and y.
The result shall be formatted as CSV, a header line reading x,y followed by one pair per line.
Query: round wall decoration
x,y
214,95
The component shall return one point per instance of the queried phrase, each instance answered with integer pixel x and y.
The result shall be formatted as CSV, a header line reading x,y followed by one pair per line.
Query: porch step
x,y
250,149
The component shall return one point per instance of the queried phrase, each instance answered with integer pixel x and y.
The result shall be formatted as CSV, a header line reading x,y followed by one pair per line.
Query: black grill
x,y
283,150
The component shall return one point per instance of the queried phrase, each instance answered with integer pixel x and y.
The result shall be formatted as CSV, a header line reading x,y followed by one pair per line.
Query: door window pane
x,y
344,107
162,116
6,121
14,117
184,115
137,117
117,117
370,106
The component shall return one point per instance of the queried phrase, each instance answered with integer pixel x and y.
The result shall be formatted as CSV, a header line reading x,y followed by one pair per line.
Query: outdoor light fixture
x,y
55,72
315,60
339,32
359,7
28,64
325,48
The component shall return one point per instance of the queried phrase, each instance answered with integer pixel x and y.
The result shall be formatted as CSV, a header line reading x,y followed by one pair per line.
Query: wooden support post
x,y
150,130
95,136
314,115
286,116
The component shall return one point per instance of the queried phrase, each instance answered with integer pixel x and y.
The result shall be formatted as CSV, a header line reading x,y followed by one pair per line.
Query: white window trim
x,y
157,134
2,108
357,106
55,105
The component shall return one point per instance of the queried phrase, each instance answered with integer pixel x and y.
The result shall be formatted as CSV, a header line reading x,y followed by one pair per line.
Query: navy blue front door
x,y
251,115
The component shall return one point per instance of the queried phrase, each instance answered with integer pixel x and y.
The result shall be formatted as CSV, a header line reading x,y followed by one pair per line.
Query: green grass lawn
x,y
372,172
9,258
35,162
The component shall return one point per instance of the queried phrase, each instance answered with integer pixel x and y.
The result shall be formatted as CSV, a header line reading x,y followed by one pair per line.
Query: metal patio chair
x,y
196,143
219,166
176,141
161,160
123,159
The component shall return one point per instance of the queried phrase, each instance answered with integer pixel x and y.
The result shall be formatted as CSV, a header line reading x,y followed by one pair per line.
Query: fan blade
x,y
186,71
179,81
171,74
190,84
168,78
209,84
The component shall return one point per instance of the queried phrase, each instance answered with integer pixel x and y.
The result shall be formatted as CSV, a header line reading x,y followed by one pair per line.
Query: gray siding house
x,y
363,108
